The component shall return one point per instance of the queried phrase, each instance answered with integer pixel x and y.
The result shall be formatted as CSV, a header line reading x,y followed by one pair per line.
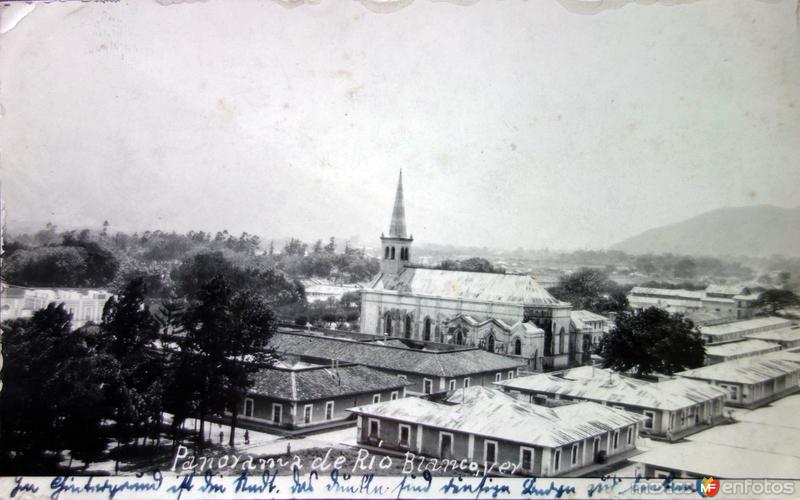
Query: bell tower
x,y
396,248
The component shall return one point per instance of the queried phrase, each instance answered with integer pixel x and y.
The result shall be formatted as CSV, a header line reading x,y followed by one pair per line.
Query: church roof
x,y
397,228
489,287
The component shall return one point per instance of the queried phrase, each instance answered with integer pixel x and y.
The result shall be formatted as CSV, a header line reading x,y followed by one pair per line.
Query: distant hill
x,y
755,231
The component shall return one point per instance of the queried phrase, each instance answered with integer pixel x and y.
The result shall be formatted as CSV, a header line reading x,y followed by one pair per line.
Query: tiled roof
x,y
319,382
750,370
668,395
489,412
440,364
489,287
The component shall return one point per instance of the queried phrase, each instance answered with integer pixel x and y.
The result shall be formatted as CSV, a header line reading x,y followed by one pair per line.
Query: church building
x,y
509,314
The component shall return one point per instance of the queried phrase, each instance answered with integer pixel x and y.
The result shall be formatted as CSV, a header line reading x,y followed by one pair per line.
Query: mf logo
x,y
708,486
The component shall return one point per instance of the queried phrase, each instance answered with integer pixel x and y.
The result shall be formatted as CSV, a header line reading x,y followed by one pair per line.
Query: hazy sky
x,y
516,123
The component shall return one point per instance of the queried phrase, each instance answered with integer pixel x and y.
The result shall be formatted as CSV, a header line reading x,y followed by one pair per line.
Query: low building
x,y
753,381
427,369
298,395
672,408
718,353
722,452
484,425
728,302
737,330
84,304
786,337
590,326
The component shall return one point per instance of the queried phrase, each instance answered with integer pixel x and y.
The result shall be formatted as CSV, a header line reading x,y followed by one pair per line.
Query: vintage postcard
x,y
400,249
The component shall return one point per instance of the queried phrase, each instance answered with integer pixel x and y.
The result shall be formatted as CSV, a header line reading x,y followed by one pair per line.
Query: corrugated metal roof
x,y
439,364
490,413
742,347
308,384
616,389
668,293
489,287
750,370
745,325
781,334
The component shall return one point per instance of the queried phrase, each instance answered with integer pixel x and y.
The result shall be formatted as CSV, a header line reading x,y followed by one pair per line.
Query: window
x,y
595,448
376,398
511,374
387,324
386,253
427,386
498,377
277,413
426,330
308,411
394,395
392,253
408,327
630,435
248,407
526,459
466,382
616,439
556,460
451,386
329,410
574,458
374,428
490,451
518,347
649,418
405,435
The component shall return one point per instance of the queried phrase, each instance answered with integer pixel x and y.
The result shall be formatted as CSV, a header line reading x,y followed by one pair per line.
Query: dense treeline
x,y
98,259
592,290
80,391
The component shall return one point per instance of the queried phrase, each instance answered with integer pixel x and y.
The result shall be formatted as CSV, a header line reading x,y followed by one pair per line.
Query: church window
x,y
490,343
408,327
408,257
518,347
426,330
386,253
460,338
392,253
387,324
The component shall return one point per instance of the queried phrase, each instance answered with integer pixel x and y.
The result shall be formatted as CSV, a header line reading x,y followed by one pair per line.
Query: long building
x,y
297,395
737,330
753,381
427,370
718,353
485,425
672,409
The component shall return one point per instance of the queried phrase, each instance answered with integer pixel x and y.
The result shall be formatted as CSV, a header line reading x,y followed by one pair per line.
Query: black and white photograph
x,y
400,249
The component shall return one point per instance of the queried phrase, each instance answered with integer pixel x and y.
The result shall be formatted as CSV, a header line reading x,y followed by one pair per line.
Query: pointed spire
x,y
397,229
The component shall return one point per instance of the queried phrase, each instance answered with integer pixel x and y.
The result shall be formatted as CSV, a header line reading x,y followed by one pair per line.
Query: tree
x,y
331,246
54,393
776,299
226,337
650,341
130,332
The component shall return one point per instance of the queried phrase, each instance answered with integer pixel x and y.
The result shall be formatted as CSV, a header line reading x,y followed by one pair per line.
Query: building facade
x,y
486,426
509,314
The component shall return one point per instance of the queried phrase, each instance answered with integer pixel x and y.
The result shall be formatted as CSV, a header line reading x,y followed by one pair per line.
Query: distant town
x,y
124,352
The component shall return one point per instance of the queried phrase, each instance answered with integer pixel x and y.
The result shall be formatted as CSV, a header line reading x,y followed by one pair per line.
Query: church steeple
x,y
397,228
397,246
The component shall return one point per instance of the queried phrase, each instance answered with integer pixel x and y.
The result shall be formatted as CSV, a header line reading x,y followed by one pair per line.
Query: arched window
x,y
426,330
408,327
386,253
408,254
403,253
460,338
387,324
518,347
392,253
490,343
